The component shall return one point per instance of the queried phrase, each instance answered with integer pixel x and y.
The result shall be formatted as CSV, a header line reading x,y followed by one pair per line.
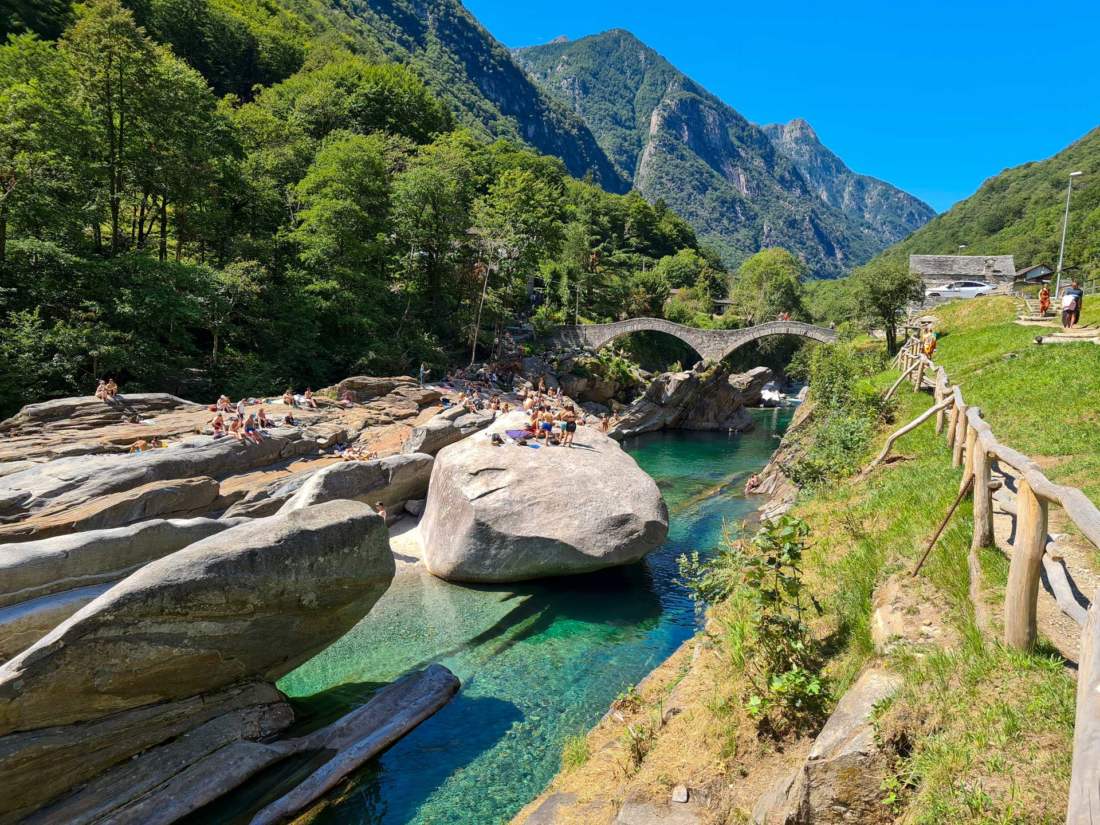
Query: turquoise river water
x,y
538,662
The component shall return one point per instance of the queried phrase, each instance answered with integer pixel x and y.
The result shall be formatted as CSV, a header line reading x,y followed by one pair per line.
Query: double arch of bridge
x,y
711,344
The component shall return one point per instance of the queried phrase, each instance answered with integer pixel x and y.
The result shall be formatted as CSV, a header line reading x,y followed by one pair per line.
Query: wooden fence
x,y
976,450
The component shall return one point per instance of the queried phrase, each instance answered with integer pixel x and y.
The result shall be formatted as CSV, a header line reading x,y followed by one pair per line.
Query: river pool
x,y
538,662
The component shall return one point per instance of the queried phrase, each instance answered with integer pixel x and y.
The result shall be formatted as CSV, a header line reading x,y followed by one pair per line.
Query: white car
x,y
960,289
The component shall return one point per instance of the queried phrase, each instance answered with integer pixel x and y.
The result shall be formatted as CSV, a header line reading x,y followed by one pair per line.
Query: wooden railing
x,y
976,449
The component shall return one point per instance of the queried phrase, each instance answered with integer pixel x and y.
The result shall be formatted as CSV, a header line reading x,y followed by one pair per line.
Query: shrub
x,y
772,641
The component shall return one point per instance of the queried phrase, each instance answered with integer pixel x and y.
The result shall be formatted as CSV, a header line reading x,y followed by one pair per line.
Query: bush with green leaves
x,y
768,635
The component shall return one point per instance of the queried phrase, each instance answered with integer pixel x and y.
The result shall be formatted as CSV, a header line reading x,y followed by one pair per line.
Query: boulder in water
x,y
511,513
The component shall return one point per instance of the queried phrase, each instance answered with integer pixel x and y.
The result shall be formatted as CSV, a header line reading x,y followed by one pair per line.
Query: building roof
x,y
963,266
1034,271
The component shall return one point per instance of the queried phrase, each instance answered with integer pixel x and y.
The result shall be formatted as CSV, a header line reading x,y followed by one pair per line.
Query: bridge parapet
x,y
711,344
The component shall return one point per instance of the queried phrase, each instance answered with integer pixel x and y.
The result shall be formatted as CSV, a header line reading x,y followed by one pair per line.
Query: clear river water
x,y
538,662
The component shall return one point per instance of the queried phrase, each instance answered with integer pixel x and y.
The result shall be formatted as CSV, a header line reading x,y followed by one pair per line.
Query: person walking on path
x,y
1069,307
1044,301
1079,298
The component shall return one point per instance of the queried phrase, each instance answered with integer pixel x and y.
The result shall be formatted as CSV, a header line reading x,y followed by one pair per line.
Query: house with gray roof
x,y
937,270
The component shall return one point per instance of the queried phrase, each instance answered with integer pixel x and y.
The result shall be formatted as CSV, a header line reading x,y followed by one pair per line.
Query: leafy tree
x,y
883,289
768,283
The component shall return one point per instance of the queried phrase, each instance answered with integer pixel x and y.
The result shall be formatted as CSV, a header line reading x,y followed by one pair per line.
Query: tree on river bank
x,y
334,223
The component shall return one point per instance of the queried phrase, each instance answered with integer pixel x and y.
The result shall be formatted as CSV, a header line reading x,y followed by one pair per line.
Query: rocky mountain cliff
x,y
894,214
680,143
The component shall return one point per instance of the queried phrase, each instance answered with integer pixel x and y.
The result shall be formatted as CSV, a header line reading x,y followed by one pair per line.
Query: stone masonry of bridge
x,y
711,344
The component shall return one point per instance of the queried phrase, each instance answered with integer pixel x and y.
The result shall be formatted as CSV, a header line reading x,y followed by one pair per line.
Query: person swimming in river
x,y
754,482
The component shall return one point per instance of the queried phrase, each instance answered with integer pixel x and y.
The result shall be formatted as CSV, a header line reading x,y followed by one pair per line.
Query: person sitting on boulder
x,y
101,390
223,404
218,423
289,421
380,508
263,420
111,389
251,429
347,399
754,482
235,428
288,398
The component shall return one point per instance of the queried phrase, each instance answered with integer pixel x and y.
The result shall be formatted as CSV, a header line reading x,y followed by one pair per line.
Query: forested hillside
x,y
679,143
237,44
1019,212
334,222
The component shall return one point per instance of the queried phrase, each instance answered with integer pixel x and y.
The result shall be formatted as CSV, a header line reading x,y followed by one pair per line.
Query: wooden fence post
x,y
941,393
1022,589
983,497
1084,783
918,378
952,422
968,461
960,436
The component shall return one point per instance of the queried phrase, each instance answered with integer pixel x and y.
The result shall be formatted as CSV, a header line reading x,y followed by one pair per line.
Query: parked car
x,y
960,289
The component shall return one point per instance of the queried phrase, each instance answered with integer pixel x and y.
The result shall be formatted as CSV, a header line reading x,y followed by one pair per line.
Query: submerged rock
x,y
510,513
252,602
704,398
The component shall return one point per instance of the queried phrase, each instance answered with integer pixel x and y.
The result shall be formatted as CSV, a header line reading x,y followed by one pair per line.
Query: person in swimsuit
x,y
308,395
251,429
235,429
380,508
223,404
288,398
111,389
569,424
218,423
547,426
101,390
263,420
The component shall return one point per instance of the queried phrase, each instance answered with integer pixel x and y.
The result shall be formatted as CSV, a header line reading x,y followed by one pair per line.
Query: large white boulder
x,y
511,513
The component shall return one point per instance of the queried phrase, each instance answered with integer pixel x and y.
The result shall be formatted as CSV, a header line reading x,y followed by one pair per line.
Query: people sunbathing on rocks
x,y
223,404
288,398
289,420
307,398
347,399
110,389
101,390
235,428
263,420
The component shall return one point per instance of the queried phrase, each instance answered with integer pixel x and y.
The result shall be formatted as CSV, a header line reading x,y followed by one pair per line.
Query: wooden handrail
x,y
974,446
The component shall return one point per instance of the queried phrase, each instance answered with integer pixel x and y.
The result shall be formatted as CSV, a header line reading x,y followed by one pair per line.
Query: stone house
x,y
938,270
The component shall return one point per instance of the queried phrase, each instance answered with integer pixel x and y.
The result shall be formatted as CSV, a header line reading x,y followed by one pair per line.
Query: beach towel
x,y
517,434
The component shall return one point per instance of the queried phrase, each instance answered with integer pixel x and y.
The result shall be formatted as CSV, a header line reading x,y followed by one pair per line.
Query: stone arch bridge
x,y
711,344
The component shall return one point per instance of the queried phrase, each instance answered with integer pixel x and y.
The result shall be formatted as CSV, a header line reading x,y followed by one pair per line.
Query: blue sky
x,y
933,97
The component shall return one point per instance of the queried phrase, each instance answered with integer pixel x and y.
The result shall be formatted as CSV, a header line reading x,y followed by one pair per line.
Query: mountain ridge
x,y
682,144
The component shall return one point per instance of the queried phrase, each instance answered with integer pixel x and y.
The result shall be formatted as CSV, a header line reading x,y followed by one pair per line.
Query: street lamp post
x,y
1065,225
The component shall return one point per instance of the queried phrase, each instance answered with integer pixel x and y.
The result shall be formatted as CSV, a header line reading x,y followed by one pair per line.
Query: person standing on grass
x,y
1079,296
1069,307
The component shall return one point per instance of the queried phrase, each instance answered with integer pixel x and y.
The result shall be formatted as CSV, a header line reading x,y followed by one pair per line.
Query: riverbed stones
x,y
69,482
445,429
166,497
511,513
37,766
87,412
391,480
703,398
252,602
